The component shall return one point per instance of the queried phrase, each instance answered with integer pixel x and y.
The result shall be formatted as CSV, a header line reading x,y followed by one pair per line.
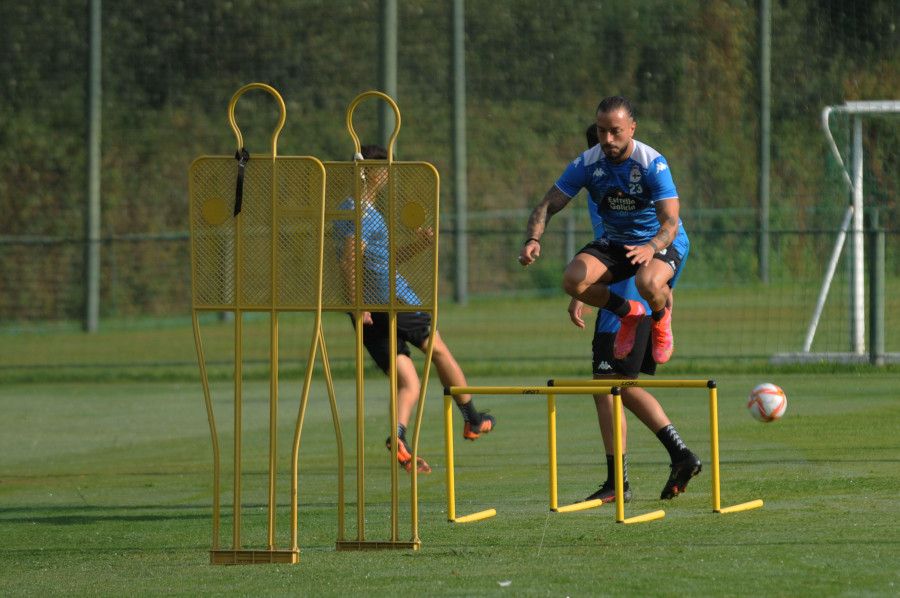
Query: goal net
x,y
862,138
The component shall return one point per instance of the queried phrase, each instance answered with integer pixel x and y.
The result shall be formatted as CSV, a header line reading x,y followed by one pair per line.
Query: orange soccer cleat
x,y
627,327
661,338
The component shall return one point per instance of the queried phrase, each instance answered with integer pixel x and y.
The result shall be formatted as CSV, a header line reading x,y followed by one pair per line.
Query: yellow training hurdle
x,y
713,425
582,387
550,393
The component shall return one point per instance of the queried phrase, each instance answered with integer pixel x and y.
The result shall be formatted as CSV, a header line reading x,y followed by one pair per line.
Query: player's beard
x,y
613,152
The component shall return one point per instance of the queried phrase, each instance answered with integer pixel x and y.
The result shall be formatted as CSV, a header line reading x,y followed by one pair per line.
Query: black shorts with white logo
x,y
613,256
639,361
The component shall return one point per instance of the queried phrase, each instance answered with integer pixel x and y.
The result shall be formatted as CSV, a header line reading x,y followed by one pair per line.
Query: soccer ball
x,y
767,403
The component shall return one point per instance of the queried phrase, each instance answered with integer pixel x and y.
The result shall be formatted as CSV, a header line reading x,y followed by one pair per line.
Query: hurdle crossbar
x,y
600,385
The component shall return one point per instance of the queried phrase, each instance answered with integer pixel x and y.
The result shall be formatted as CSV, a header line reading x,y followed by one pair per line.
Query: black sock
x,y
470,414
617,305
673,443
611,470
658,315
401,431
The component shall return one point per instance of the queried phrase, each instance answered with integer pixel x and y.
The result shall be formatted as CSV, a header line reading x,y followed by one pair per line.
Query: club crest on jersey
x,y
635,174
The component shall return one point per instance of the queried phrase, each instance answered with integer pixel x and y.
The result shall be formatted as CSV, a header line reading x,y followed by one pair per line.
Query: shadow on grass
x,y
82,515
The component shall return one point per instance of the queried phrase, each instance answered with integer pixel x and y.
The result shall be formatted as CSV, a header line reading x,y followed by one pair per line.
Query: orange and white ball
x,y
767,403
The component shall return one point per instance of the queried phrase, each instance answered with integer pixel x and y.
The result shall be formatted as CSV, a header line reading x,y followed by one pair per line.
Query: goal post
x,y
852,228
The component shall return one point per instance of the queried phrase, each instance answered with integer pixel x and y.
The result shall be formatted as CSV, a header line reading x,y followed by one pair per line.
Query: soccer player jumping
x,y
635,211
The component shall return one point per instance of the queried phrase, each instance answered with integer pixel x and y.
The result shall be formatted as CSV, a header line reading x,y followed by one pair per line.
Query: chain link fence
x,y
534,74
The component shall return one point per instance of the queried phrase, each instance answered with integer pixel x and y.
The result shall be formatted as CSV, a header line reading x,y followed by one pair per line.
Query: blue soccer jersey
x,y
625,193
376,258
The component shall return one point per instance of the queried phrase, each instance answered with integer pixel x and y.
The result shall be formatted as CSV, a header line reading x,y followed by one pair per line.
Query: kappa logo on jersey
x,y
635,174
660,166
577,161
599,174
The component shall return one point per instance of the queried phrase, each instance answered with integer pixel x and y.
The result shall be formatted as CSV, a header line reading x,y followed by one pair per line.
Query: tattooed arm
x,y
667,212
554,201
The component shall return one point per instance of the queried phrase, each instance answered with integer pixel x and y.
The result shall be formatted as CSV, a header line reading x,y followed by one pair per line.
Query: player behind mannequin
x,y
413,328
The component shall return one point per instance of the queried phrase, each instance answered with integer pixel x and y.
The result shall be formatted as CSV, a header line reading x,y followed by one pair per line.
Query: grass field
x,y
723,329
106,470
106,490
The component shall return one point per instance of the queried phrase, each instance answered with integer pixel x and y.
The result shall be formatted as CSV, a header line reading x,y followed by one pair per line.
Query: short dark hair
x,y
614,103
591,135
374,152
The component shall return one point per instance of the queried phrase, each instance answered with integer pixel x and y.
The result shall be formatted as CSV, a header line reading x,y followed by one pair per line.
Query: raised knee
x,y
653,284
572,286
574,279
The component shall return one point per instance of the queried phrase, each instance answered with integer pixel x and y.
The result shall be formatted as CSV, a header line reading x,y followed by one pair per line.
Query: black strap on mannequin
x,y
242,157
